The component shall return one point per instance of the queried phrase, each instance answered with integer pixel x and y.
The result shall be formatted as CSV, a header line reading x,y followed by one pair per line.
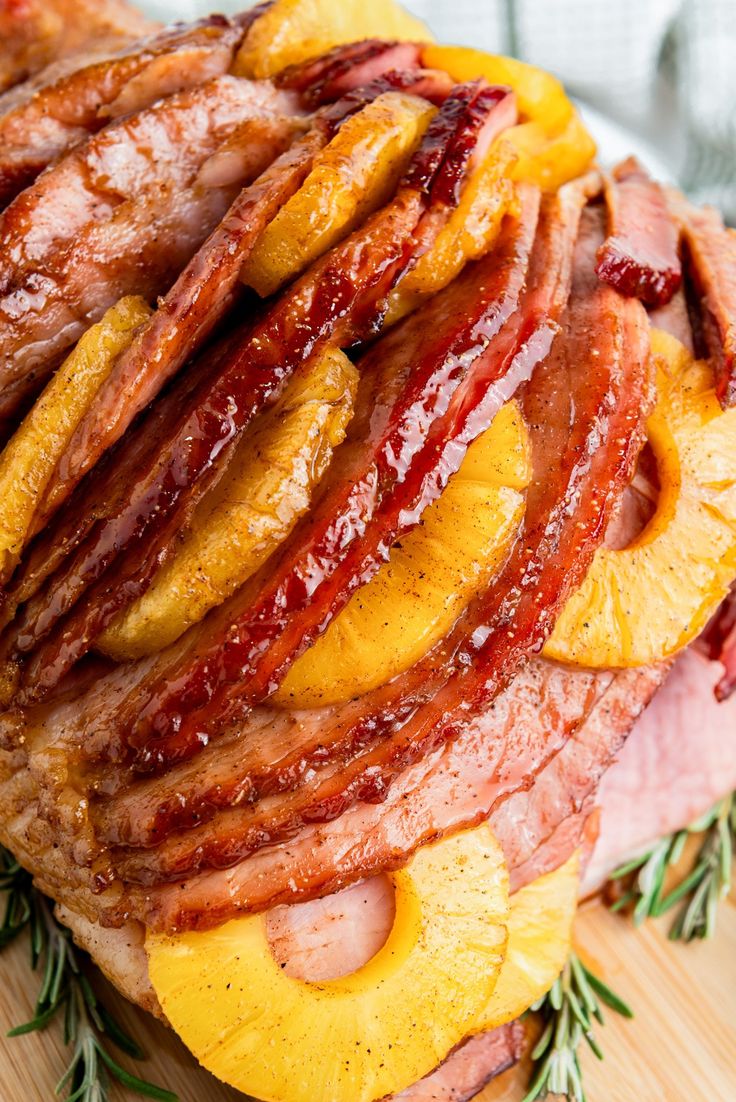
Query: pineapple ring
x,y
540,935
647,601
266,488
414,599
362,1036
551,143
353,176
291,31
30,456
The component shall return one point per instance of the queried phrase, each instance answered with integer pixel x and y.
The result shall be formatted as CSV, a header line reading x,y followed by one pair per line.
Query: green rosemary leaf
x,y
65,991
146,1090
700,890
567,1011
608,996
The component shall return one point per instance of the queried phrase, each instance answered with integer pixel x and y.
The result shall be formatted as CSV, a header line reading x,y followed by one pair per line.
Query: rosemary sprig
x,y
569,1011
65,991
700,891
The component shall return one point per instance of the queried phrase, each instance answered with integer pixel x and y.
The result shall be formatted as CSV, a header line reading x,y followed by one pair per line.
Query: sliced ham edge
x,y
640,254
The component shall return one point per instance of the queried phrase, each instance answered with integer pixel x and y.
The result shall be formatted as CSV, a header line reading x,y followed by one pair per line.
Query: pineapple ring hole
x,y
326,939
638,504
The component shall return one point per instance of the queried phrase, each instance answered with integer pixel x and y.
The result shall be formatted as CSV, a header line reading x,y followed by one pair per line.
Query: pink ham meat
x,y
471,1067
326,78
711,256
640,254
81,236
44,117
333,936
679,759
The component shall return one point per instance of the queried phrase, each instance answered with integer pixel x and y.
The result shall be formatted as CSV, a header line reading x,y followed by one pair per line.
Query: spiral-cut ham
x,y
640,254
121,214
44,117
275,759
408,724
711,257
337,299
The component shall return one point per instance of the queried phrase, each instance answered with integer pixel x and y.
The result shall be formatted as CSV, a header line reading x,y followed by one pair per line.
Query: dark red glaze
x,y
420,385
718,641
711,261
336,300
640,254
326,78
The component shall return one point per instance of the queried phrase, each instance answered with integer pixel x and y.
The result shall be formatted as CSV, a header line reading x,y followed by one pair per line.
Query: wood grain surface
x,y
681,1047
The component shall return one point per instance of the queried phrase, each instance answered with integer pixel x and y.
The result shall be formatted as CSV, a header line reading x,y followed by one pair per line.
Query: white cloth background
x,y
665,69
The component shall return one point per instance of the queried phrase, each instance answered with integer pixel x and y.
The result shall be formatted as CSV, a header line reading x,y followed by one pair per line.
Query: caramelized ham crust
x,y
711,254
81,236
44,117
640,255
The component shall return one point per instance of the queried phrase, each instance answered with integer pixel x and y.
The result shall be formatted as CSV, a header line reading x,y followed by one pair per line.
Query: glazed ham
x,y
35,33
44,117
80,237
640,255
711,252
175,793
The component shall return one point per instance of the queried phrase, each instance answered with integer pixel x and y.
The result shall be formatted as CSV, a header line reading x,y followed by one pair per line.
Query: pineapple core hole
x,y
332,937
638,503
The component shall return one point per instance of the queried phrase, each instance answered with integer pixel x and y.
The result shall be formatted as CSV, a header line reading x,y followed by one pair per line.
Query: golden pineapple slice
x,y
236,526
31,455
551,143
431,576
353,176
365,1035
649,600
540,935
291,31
470,231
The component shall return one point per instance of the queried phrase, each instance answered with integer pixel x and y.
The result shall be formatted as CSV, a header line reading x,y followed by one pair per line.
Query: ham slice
x,y
711,256
44,117
679,759
326,78
640,255
81,237
470,1068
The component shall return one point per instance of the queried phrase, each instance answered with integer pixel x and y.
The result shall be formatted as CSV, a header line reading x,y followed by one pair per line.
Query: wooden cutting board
x,y
681,1047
